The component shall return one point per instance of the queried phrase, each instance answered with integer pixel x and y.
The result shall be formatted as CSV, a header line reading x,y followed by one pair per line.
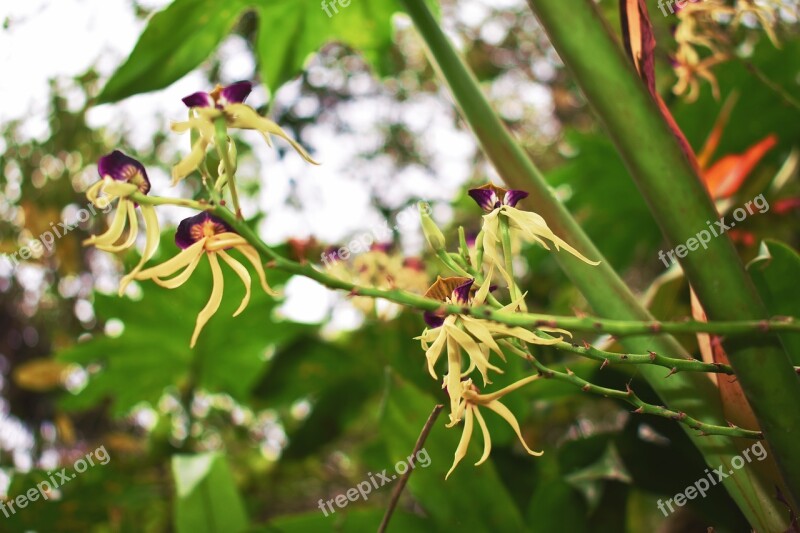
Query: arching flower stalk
x,y
499,204
469,400
207,235
476,337
122,176
227,102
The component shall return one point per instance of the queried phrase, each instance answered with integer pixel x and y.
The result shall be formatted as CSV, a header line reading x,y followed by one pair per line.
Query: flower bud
x,y
432,232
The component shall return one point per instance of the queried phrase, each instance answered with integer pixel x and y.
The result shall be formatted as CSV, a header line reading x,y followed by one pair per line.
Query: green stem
x,y
508,257
629,396
681,205
144,199
221,142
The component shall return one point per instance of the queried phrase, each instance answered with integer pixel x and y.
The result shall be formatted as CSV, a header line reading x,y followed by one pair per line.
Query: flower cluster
x,y
124,179
470,342
699,29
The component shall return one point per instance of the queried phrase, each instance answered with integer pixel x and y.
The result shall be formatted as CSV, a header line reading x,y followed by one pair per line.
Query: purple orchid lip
x,y
121,167
485,198
490,197
235,93
461,293
192,229
432,319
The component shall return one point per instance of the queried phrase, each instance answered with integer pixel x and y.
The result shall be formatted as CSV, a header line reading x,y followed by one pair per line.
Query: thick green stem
x,y
601,286
683,208
144,199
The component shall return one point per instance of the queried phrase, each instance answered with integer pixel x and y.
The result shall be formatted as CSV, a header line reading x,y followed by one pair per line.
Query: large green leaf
x,y
473,498
344,521
175,41
291,30
153,350
206,497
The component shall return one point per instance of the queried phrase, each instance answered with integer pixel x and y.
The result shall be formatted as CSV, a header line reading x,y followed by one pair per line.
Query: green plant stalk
x,y
601,286
629,396
508,257
682,206
221,142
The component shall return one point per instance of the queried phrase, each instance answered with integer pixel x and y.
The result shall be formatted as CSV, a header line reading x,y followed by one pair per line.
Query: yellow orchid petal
x,y
475,353
169,267
504,412
188,164
487,439
225,240
120,189
252,255
482,399
478,329
243,274
453,377
153,237
93,191
180,279
463,444
245,117
483,292
533,225
213,302
114,231
133,231
434,351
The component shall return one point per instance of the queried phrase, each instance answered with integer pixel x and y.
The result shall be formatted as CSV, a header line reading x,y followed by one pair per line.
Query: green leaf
x,y
775,273
344,521
175,41
290,31
473,497
206,496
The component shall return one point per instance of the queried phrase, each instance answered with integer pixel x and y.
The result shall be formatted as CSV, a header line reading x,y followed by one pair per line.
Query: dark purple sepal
x,y
234,93
121,167
513,196
461,293
198,99
485,198
192,229
432,319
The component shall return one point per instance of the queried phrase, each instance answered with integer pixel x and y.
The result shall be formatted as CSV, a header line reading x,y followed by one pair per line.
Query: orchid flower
x,y
122,176
496,202
227,102
474,336
205,234
469,400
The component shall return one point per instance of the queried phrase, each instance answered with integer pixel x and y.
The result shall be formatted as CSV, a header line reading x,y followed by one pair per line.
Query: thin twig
x,y
398,490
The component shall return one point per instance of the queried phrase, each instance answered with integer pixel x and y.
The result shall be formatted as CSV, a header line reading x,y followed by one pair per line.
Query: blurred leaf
x,y
589,480
175,41
473,497
775,273
40,375
153,350
556,506
207,500
291,31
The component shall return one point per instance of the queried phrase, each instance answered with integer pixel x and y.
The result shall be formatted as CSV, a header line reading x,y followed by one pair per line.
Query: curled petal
x,y
252,255
213,302
188,164
151,244
463,444
479,330
168,268
133,231
245,117
468,343
453,380
434,351
504,412
513,196
483,292
225,241
114,231
533,225
93,191
487,439
180,279
243,274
